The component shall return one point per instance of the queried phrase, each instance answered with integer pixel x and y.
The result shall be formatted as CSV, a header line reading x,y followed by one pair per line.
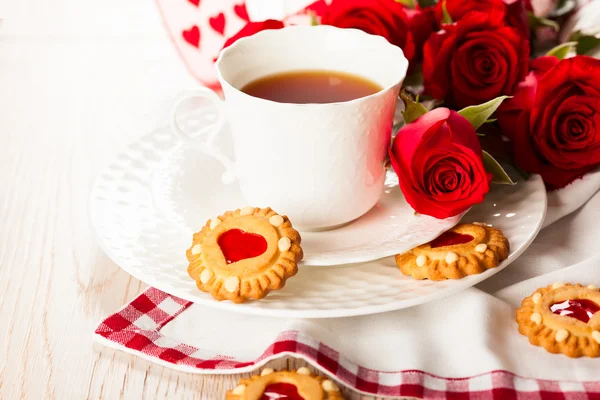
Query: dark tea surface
x,y
303,87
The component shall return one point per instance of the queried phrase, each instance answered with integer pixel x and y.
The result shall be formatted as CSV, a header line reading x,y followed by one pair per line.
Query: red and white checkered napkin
x,y
139,328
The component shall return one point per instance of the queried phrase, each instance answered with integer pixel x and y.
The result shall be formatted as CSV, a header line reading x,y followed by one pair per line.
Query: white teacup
x,y
320,164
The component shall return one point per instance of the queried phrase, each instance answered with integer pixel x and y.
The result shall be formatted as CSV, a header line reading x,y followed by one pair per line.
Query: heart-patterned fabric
x,y
199,28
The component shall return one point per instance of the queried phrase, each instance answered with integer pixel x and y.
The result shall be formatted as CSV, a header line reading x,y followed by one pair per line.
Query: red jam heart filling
x,y
281,391
581,309
237,245
450,238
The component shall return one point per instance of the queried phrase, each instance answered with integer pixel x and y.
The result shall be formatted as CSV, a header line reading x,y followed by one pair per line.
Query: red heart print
x,y
450,238
281,391
218,23
195,2
192,36
241,11
237,245
582,309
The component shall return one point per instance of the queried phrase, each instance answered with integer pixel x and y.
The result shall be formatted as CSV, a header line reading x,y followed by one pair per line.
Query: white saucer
x,y
145,205
187,189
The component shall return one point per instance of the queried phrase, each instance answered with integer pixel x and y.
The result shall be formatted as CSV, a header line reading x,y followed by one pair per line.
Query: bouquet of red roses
x,y
504,87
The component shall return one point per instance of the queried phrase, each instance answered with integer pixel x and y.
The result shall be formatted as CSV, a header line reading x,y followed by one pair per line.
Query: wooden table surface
x,y
78,81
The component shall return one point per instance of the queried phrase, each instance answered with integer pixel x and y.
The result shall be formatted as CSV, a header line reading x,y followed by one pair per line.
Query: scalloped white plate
x,y
186,188
149,200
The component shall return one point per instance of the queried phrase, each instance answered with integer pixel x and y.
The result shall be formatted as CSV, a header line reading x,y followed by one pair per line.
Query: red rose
x,y
438,162
385,18
523,97
554,119
513,12
474,60
422,24
254,27
516,16
459,8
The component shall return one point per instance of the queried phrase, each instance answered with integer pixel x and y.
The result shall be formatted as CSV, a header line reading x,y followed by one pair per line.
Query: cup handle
x,y
206,145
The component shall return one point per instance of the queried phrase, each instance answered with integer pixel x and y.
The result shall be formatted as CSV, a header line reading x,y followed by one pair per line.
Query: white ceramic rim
x,y
366,310
264,35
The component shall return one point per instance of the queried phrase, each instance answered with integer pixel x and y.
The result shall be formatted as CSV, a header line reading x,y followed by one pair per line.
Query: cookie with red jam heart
x,y
466,249
563,318
244,254
285,385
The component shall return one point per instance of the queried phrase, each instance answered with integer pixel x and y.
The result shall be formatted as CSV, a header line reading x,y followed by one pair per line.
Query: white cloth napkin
x,y
469,333
568,199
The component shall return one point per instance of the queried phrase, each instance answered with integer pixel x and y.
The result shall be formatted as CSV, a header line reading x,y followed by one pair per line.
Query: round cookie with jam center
x,y
244,254
290,385
563,318
466,249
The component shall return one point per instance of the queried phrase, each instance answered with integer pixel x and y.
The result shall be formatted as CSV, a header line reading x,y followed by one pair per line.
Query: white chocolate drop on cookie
x,y
596,336
329,386
276,220
451,257
561,335
284,244
266,371
481,248
303,371
206,275
536,298
592,287
197,249
421,260
246,211
214,223
536,317
232,284
557,285
239,390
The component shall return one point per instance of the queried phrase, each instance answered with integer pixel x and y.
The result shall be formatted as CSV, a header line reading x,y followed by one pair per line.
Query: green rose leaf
x,y
562,50
412,109
541,22
478,115
446,17
407,3
585,43
427,3
493,167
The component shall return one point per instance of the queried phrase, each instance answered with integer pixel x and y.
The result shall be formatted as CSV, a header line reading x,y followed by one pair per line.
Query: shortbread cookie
x,y
244,254
563,318
290,385
466,249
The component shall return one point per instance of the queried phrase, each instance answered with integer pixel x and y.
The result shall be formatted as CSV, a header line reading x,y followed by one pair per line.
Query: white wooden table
x,y
78,81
